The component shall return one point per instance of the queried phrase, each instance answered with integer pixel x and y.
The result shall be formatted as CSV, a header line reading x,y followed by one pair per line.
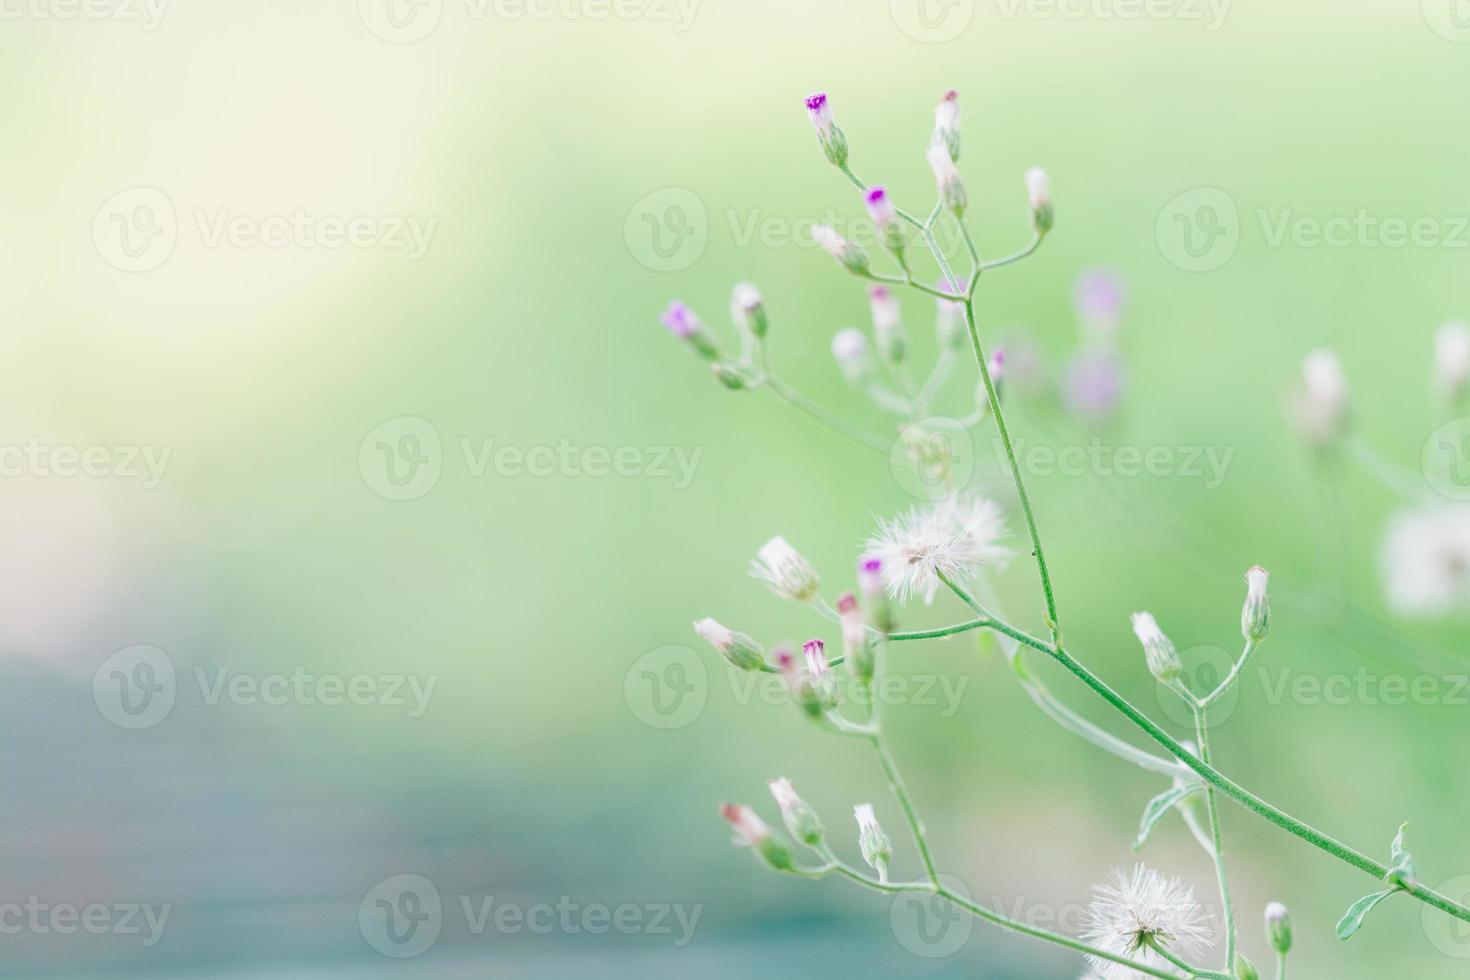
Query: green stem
x,y
1201,731
791,395
1213,696
1193,971
1280,966
1018,256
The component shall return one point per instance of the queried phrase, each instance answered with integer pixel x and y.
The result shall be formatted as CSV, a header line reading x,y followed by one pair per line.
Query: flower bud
x,y
857,652
740,650
784,569
801,820
854,359
853,258
1255,616
832,139
752,831
885,217
872,841
947,125
682,323
1245,969
1320,407
875,596
1278,928
748,309
800,684
1038,189
1452,359
951,188
730,375
820,671
888,333
1163,659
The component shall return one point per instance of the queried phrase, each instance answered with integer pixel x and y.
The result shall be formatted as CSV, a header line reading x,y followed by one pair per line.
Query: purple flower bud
x,y
1038,189
829,135
816,657
821,111
680,320
1099,297
880,208
1093,385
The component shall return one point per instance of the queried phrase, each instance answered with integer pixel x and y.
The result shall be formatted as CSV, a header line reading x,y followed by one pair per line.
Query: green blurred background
x,y
546,145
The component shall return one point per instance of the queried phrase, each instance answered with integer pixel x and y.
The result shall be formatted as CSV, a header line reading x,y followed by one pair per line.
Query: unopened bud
x,y
1278,928
801,820
857,651
730,375
784,569
752,831
800,684
749,310
1452,359
951,188
1255,615
875,596
885,217
1320,408
889,335
852,257
1158,649
820,671
1245,969
682,323
947,125
872,841
1038,189
854,359
832,139
740,650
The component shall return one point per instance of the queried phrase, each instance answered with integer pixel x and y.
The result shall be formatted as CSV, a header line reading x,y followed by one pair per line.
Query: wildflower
x,y
1142,910
751,831
1158,649
740,650
832,139
888,333
730,375
949,539
1278,928
1452,359
1255,616
684,324
1245,969
872,841
748,309
885,217
800,819
784,569
1038,190
1426,561
820,671
951,188
799,681
857,653
1098,298
947,125
1092,385
852,257
854,359
875,598
1320,407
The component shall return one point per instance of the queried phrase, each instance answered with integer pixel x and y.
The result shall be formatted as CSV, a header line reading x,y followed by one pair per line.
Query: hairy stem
x,y
790,394
1202,734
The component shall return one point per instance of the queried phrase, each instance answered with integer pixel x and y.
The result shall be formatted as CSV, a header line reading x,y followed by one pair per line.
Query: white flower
x,y
784,569
1320,407
951,538
1426,561
1038,188
1452,357
850,351
1139,909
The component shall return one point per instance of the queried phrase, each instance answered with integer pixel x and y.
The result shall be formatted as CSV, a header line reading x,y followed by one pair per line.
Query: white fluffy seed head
x,y
1138,909
951,538
1426,561
1452,358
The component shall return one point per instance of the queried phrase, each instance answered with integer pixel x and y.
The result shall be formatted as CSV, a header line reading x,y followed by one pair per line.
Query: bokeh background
x,y
324,507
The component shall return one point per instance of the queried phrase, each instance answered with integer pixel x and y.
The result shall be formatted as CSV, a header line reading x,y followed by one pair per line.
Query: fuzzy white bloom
x,y
947,178
1038,189
1320,407
1138,909
852,257
715,634
784,793
850,351
1452,358
1158,649
749,828
815,652
952,538
745,298
784,569
1426,561
827,237
947,113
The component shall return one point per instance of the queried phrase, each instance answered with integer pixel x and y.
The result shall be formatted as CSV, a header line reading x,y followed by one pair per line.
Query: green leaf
x,y
1156,810
1353,920
1401,870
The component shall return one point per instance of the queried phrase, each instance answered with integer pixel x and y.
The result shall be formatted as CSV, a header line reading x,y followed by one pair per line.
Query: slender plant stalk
x,y
790,394
1202,735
